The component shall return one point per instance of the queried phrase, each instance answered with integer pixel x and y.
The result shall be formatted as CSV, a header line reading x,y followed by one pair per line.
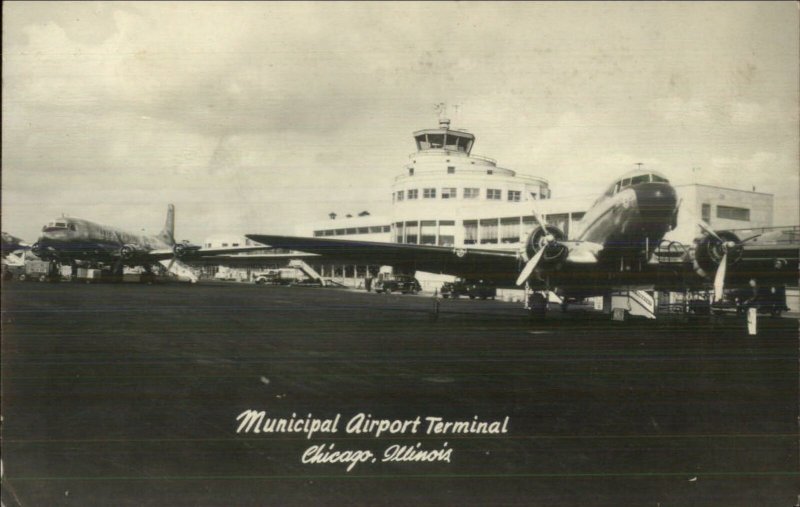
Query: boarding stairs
x,y
312,273
635,302
179,270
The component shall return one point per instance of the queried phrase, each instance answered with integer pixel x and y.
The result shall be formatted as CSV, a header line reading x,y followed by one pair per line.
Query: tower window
x,y
451,169
448,193
514,195
493,194
429,193
471,193
413,193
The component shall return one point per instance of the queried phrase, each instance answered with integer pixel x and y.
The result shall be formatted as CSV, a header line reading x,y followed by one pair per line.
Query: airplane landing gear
x,y
537,304
536,301
53,272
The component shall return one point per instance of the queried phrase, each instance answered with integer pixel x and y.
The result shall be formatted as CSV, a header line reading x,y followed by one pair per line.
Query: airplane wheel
x,y
22,277
538,305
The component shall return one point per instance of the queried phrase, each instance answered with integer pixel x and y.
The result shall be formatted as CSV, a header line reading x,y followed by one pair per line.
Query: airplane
x,y
70,240
12,244
617,245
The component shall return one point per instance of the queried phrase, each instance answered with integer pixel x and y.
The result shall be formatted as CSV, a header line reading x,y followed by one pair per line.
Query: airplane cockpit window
x,y
644,178
72,227
55,225
659,179
625,183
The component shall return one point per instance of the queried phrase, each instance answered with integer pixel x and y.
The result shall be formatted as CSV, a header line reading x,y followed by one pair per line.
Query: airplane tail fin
x,y
168,232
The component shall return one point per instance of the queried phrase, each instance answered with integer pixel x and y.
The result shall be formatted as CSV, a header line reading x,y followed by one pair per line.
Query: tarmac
x,y
129,394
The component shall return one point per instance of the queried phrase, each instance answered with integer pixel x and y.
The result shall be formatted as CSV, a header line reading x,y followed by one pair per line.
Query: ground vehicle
x,y
771,300
473,289
396,283
32,270
282,276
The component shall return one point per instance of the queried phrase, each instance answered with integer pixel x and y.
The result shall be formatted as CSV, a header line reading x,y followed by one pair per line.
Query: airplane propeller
x,y
530,266
725,247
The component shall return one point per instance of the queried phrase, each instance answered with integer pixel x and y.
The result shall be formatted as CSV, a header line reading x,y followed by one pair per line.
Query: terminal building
x,y
448,196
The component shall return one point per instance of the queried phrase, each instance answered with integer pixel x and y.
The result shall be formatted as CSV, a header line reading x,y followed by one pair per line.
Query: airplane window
x,y
72,227
645,178
659,179
625,183
60,224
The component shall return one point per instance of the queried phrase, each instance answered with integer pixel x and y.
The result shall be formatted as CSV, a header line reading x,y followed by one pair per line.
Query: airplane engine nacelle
x,y
37,250
550,241
184,249
128,252
709,251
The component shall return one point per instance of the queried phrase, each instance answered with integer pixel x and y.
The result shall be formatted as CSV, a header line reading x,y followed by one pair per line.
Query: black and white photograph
x,y
400,253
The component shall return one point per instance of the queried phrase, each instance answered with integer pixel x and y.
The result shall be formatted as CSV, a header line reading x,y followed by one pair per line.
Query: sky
x,y
256,117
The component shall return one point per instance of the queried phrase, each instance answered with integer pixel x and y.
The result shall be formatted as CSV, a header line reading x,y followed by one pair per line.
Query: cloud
x,y
269,113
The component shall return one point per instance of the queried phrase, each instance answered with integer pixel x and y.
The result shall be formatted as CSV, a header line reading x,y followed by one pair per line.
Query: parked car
x,y
397,283
771,300
472,289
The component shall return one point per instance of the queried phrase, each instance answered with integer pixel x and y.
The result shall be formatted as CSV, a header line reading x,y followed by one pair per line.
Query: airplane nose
x,y
656,200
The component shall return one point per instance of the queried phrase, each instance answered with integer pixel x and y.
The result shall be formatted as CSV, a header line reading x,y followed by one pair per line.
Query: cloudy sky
x,y
254,117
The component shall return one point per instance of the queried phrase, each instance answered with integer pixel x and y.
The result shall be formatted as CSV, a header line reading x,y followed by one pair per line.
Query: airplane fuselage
x,y
631,219
627,221
68,239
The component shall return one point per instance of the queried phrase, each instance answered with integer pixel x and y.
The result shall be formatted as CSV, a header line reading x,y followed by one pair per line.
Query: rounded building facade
x,y
445,191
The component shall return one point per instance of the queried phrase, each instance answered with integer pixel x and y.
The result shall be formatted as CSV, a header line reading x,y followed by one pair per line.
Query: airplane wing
x,y
769,262
498,266
189,252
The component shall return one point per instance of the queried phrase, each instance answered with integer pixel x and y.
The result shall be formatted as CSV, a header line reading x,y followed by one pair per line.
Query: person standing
x,y
752,309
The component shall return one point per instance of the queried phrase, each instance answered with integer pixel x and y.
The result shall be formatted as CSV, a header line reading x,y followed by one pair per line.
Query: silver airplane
x,y
69,240
615,246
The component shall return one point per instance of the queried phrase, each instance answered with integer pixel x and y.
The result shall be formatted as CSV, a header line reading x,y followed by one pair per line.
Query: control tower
x,y
444,139
449,196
